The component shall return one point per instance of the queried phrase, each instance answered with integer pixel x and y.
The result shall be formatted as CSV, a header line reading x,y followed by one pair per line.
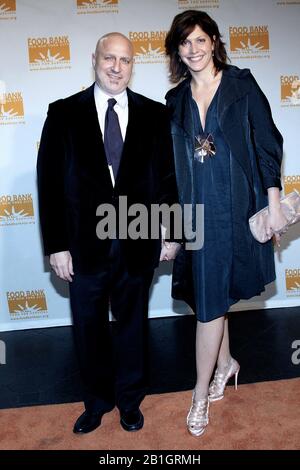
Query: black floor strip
x,y
41,365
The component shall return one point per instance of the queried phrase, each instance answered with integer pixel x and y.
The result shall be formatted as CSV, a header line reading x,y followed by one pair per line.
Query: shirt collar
x,y
101,97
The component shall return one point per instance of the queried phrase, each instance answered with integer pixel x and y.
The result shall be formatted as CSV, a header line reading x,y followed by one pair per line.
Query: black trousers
x,y
112,355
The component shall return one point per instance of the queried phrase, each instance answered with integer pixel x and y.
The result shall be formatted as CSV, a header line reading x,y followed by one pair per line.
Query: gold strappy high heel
x,y
197,418
217,386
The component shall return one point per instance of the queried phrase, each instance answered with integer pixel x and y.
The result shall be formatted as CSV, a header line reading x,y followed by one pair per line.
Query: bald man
x,y
97,145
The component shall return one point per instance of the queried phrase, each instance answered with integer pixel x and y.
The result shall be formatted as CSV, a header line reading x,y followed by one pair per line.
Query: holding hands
x,y
169,250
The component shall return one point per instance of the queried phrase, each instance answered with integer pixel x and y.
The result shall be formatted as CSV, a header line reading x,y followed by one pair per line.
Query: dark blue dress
x,y
212,263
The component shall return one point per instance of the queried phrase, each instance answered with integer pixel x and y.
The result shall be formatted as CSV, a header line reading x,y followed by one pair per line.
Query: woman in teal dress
x,y
228,155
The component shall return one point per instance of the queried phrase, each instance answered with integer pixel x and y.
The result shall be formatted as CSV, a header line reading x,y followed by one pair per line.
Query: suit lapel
x,y
232,89
134,136
92,135
183,115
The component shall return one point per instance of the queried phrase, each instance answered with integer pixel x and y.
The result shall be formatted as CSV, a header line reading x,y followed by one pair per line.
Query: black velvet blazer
x,y
74,179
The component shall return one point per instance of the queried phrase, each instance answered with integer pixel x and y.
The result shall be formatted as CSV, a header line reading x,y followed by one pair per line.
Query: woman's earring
x,y
213,53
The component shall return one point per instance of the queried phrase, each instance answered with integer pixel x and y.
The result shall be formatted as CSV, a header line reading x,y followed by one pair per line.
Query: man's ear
x,y
94,60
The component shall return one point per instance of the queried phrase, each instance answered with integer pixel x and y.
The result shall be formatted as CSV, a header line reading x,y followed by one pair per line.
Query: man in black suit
x,y
97,145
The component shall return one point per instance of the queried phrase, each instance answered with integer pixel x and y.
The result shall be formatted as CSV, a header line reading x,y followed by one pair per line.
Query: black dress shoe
x,y
87,422
132,420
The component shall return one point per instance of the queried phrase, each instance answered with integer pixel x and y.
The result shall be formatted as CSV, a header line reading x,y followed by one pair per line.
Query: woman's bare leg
x,y
224,352
208,341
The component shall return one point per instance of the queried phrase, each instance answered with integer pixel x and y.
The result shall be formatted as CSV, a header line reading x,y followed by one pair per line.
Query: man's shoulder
x,y
69,101
145,101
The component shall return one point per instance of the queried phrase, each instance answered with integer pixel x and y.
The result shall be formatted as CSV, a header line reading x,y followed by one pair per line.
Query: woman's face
x,y
196,50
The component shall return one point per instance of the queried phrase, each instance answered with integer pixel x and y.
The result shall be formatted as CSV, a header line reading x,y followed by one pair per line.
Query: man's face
x,y
113,61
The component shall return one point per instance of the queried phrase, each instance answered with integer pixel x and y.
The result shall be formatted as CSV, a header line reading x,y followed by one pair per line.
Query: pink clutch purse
x,y
290,205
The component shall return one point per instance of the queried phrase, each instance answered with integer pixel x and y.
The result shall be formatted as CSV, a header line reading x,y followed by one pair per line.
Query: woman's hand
x,y
276,221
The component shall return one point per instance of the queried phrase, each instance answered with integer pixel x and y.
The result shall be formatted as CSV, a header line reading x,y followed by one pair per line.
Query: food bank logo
x,y
249,42
194,4
11,108
292,279
290,90
97,6
25,305
291,183
16,209
149,46
49,53
8,10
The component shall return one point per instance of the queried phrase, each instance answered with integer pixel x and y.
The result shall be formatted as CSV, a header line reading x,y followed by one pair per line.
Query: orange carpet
x,y
257,416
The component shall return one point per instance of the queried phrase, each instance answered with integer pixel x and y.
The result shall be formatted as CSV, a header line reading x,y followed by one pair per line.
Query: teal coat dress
x,y
254,159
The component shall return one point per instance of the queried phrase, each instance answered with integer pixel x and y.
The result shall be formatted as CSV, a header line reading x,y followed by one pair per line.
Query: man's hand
x,y
62,264
169,250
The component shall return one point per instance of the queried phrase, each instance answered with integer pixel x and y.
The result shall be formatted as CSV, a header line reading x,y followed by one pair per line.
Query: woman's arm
x,y
268,144
277,220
